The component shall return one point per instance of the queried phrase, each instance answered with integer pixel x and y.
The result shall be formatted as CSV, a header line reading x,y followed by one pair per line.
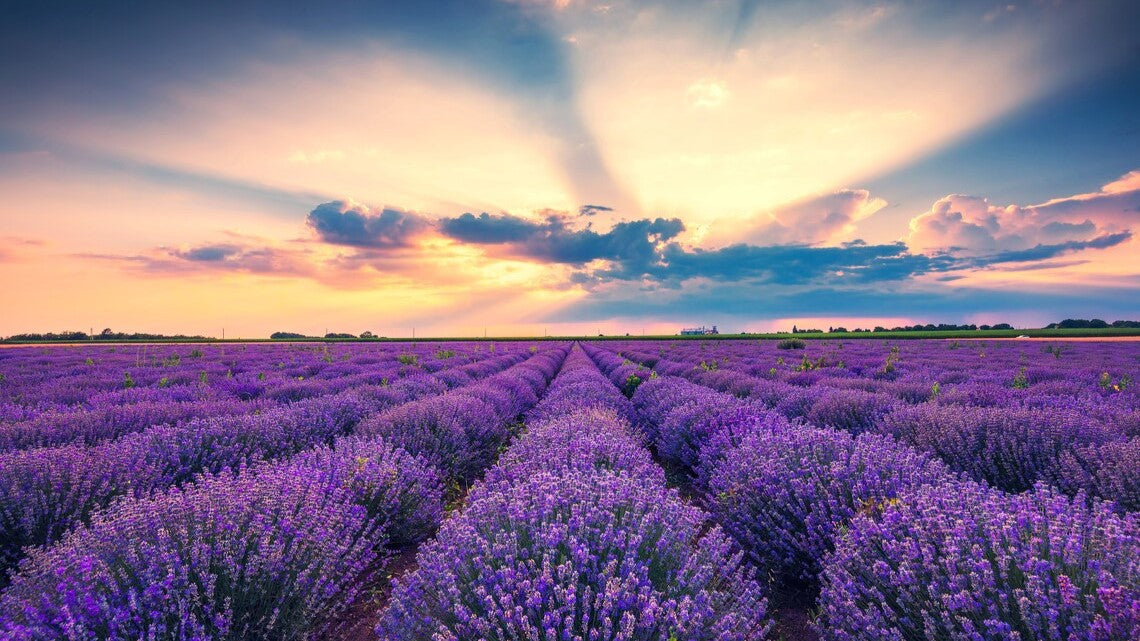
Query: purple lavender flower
x,y
1008,447
257,556
959,561
785,494
402,494
577,555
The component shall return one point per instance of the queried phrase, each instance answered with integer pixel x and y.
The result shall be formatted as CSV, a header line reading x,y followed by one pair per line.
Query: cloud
x,y
14,248
208,253
590,210
793,248
790,245
238,254
1128,182
490,229
1045,252
555,240
813,220
971,226
342,223
855,262
261,260
707,93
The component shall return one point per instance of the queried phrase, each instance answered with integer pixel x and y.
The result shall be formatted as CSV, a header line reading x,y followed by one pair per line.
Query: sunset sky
x,y
521,167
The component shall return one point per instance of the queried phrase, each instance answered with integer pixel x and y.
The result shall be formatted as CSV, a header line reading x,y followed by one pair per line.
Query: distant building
x,y
699,331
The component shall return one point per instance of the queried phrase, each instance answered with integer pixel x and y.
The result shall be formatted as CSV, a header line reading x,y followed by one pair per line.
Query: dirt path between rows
x,y
358,622
790,608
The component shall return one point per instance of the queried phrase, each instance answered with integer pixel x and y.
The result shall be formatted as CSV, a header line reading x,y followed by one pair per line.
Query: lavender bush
x,y
1009,448
594,438
402,493
851,410
256,556
785,494
959,561
457,433
577,555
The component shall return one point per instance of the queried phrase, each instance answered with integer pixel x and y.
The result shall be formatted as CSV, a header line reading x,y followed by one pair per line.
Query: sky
x,y
524,167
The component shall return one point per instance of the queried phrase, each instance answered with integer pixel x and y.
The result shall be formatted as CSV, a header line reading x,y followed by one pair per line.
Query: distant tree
x,y
1002,326
286,335
367,334
1079,323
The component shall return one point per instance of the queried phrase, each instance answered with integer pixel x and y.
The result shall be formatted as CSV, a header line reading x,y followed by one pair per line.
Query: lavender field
x,y
629,490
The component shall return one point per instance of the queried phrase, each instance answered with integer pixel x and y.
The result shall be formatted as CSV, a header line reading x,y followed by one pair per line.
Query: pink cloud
x,y
973,226
817,219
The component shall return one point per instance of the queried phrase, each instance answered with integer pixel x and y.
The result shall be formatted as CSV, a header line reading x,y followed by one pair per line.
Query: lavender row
x,y
104,422
265,554
1012,447
45,491
271,552
895,545
64,379
1095,379
461,432
575,536
183,392
1093,369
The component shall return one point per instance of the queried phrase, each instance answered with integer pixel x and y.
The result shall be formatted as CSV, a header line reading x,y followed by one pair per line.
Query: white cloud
x,y
707,94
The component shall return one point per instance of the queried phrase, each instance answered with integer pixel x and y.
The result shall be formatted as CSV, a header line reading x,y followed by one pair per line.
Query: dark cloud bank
x,y
647,249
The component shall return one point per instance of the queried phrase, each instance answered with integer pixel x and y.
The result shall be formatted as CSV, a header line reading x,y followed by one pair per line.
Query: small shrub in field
x,y
1020,381
791,343
630,385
